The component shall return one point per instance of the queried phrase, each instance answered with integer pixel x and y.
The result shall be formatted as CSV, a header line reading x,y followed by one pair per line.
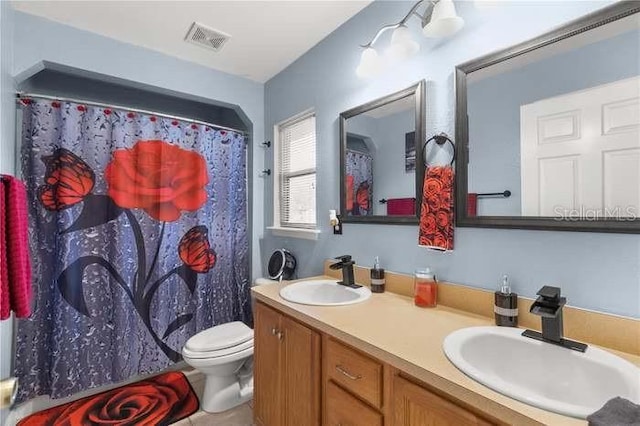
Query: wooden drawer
x,y
345,410
354,371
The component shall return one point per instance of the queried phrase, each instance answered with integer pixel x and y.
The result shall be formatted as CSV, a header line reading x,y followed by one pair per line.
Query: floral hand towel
x,y
436,214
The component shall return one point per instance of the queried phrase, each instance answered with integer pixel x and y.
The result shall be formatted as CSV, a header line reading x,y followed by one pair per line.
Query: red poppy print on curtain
x,y
138,232
195,251
161,179
349,191
68,180
158,177
362,197
436,215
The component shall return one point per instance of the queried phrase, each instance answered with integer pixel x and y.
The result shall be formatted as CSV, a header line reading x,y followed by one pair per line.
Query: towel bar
x,y
384,200
505,194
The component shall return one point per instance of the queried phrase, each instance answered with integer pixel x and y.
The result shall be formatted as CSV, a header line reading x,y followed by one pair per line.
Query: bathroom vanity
x,y
306,377
379,362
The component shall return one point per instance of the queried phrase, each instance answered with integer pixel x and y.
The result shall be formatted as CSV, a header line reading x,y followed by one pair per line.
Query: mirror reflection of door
x,y
559,127
581,153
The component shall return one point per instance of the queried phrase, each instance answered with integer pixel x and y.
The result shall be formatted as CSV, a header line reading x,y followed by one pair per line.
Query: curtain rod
x,y
20,95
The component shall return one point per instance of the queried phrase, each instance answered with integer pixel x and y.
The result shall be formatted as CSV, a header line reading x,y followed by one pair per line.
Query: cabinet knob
x,y
280,335
344,372
274,331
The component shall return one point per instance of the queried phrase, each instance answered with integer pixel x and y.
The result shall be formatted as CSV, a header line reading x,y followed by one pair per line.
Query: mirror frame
x,y
598,18
417,90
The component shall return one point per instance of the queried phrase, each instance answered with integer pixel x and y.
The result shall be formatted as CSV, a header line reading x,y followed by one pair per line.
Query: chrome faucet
x,y
549,306
346,264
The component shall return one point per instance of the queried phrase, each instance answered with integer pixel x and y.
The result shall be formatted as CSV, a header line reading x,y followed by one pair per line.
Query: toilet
x,y
224,354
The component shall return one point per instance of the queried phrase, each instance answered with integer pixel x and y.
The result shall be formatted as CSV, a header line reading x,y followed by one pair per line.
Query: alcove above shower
x,y
68,82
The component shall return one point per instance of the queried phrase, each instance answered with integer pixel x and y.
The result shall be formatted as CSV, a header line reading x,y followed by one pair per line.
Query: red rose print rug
x,y
159,400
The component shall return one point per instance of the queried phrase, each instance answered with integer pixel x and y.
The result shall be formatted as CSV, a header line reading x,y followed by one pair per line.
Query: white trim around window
x,y
294,177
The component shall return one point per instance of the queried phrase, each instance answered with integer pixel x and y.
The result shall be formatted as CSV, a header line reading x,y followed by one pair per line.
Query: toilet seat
x,y
219,341
219,353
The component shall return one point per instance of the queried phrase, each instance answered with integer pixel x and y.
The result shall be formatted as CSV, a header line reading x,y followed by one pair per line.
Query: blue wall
x,y
7,132
494,148
390,180
595,270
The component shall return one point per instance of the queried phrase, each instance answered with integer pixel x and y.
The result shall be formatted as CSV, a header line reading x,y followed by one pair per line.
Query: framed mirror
x,y
548,131
380,179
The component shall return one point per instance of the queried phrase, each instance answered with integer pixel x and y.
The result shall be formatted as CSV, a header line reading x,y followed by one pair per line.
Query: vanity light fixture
x,y
444,20
439,20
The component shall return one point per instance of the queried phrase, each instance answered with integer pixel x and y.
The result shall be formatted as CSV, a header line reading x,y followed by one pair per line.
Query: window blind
x,y
297,173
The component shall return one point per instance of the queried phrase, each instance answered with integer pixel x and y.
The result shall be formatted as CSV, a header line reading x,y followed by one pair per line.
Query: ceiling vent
x,y
206,37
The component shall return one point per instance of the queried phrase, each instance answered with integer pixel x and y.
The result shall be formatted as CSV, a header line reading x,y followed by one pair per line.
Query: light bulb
x,y
402,45
444,20
370,63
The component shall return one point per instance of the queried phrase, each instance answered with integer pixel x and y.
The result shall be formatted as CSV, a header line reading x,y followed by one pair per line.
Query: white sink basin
x,y
541,374
324,293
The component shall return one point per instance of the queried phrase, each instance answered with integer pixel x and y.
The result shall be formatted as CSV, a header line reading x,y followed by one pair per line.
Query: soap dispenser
x,y
506,305
377,277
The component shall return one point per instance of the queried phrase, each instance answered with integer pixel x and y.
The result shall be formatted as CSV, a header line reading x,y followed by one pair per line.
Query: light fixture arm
x,y
403,21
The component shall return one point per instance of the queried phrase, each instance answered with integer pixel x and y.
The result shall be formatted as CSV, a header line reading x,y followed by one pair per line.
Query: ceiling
x,y
266,36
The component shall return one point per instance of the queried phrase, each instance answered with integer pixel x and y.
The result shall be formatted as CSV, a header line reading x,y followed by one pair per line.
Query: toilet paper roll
x,y
8,392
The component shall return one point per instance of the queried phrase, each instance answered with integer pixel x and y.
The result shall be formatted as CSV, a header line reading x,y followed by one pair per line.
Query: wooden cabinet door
x,y
415,406
301,374
267,368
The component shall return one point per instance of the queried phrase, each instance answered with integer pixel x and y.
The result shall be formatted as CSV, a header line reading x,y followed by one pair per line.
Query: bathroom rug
x,y
159,400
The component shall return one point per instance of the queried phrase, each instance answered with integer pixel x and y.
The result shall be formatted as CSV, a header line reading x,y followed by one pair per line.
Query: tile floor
x,y
239,416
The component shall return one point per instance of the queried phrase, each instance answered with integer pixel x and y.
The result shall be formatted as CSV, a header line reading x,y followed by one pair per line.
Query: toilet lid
x,y
220,337
221,353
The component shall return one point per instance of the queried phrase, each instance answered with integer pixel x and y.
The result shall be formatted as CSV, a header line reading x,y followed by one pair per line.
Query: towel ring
x,y
440,139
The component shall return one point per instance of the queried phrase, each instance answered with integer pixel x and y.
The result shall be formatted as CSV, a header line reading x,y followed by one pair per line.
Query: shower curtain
x,y
138,237
359,183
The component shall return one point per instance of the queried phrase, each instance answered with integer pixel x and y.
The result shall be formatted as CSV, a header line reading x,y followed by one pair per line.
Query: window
x,y
295,177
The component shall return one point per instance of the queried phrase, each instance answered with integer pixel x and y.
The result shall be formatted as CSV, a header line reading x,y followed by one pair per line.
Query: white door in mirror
x,y
581,153
324,293
541,374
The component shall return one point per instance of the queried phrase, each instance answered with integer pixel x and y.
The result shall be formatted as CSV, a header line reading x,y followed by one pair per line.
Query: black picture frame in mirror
x,y
596,19
417,90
